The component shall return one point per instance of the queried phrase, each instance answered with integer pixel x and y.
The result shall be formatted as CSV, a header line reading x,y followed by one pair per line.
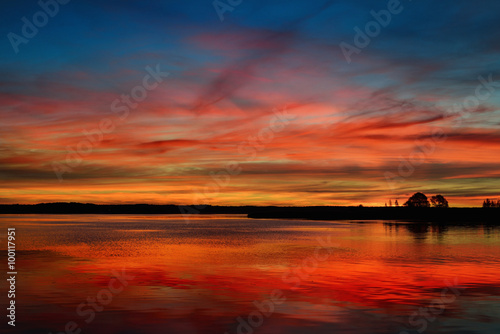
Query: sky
x,y
238,102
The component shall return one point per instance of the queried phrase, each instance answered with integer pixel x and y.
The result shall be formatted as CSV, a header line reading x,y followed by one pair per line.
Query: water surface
x,y
218,274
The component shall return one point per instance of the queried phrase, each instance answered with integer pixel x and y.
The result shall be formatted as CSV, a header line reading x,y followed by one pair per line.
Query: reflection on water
x,y
211,274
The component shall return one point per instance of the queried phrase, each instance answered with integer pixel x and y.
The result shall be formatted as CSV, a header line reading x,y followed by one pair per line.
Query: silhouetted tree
x,y
439,201
418,200
390,202
396,203
491,204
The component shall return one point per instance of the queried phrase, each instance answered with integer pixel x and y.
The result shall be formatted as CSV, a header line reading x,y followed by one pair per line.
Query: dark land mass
x,y
432,215
89,208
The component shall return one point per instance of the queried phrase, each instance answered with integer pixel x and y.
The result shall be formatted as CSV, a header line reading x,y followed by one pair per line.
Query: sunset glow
x,y
270,95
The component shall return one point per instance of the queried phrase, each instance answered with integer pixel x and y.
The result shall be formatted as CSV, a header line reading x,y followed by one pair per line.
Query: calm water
x,y
219,274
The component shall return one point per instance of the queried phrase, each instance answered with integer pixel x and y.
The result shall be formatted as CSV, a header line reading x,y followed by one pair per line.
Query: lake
x,y
230,274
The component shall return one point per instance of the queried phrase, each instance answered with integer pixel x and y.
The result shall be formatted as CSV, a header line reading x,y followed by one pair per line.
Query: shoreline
x,y
424,215
431,215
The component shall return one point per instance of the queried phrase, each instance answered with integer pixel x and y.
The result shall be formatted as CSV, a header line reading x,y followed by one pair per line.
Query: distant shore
x,y
89,208
433,215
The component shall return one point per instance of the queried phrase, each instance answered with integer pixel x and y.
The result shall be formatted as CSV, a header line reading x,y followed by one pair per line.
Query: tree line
x,y
420,200
491,204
